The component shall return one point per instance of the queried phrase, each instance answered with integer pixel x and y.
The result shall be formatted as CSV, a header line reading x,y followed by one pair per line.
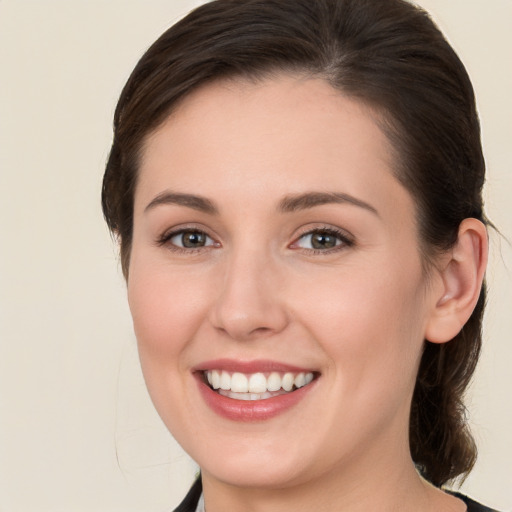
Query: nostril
x,y
241,331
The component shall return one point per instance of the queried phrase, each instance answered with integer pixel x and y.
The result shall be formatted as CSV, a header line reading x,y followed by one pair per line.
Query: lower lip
x,y
250,410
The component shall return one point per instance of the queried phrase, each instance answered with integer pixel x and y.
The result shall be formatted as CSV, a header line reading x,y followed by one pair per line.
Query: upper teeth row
x,y
257,382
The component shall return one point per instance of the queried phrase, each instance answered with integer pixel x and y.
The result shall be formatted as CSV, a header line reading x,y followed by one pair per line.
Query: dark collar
x,y
189,504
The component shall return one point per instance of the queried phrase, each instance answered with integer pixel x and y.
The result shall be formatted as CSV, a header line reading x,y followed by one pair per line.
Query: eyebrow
x,y
288,204
297,202
199,203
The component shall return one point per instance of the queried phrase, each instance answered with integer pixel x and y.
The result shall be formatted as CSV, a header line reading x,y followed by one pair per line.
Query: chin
x,y
259,474
250,463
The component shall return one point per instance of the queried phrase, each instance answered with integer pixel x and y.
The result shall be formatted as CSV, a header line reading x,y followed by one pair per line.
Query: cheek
x,y
370,323
167,309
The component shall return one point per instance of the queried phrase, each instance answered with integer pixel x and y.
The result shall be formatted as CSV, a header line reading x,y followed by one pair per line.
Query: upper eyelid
x,y
343,233
347,240
192,226
176,230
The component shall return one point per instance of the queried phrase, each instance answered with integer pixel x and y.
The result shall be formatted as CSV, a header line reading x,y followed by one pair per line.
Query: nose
x,y
249,303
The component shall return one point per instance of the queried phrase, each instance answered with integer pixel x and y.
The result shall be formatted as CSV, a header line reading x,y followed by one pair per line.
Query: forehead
x,y
282,135
282,104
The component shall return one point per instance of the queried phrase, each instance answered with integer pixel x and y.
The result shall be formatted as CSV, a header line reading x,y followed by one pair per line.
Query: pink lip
x,y
249,410
259,365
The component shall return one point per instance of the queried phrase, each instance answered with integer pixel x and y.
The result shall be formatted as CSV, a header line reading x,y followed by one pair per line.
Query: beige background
x,y
77,431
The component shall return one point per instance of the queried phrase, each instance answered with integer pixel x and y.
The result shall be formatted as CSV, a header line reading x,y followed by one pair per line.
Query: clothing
x,y
472,505
189,504
193,501
200,504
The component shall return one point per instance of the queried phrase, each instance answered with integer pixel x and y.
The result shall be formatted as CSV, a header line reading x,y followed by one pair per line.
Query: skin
x,y
357,315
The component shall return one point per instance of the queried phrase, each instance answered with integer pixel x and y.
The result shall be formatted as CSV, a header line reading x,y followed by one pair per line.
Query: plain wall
x,y
77,430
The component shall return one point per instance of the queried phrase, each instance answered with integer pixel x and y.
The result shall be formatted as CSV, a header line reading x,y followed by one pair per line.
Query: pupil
x,y
323,241
193,239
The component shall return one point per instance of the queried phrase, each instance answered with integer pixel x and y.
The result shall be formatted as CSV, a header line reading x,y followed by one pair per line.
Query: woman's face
x,y
272,244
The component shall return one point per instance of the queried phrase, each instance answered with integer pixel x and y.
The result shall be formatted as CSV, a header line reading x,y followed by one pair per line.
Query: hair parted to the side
x,y
389,55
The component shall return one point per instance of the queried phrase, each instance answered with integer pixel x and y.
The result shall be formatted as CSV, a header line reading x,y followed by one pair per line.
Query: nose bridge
x,y
249,303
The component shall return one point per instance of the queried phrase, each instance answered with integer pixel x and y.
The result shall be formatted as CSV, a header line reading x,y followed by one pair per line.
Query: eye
x,y
191,239
187,239
323,240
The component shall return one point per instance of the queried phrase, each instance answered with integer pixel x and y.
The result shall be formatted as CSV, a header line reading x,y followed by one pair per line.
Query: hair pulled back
x,y
385,53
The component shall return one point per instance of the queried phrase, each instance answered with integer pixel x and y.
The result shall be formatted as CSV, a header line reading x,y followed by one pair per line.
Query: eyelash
x,y
345,240
166,237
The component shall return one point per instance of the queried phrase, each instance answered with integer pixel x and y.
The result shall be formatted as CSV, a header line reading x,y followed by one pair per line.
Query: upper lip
x,y
255,366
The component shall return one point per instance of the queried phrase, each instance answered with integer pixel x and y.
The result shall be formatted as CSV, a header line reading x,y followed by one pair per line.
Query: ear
x,y
460,282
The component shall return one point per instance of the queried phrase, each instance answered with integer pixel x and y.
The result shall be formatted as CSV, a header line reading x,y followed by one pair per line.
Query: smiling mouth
x,y
256,386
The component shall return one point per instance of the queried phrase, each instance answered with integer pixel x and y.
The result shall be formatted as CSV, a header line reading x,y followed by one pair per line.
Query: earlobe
x,y
461,281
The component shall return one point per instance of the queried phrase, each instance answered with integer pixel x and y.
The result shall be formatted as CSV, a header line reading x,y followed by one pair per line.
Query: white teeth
x,y
239,383
300,380
287,383
215,379
225,381
249,396
257,383
274,382
256,386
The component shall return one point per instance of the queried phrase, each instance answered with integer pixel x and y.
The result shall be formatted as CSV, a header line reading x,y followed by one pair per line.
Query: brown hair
x,y
389,55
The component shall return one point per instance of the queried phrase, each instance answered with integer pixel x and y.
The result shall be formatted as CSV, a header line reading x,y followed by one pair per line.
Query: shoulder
x,y
472,505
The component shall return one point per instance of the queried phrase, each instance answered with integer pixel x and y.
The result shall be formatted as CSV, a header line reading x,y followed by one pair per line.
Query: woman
x,y
296,189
